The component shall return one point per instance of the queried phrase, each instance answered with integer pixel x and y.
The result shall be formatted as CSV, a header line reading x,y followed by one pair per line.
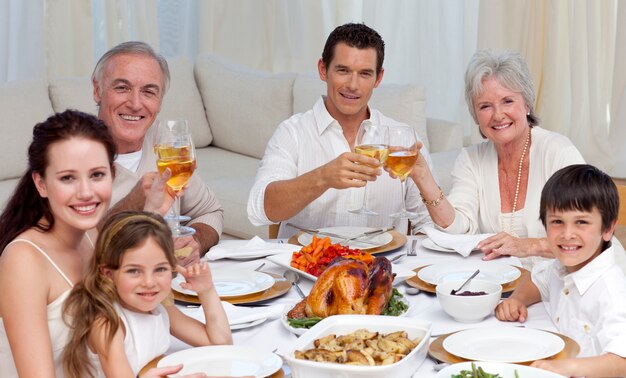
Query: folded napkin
x,y
240,315
463,244
254,248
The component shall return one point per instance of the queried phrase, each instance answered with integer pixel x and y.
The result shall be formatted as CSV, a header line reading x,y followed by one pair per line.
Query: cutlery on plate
x,y
258,268
325,233
294,277
396,258
366,234
453,292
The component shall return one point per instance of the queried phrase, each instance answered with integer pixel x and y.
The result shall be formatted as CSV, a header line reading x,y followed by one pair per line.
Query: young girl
x,y
118,324
44,246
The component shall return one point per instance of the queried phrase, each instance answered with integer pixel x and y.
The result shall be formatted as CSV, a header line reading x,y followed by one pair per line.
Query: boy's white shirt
x,y
588,305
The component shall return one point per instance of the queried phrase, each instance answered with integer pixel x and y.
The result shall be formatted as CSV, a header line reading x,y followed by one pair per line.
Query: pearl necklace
x,y
519,181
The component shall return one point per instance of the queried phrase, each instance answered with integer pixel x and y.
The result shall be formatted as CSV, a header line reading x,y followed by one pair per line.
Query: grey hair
x,y
132,48
511,71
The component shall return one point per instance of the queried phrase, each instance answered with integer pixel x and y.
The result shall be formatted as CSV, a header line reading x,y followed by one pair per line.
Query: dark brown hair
x,y
360,36
25,208
581,187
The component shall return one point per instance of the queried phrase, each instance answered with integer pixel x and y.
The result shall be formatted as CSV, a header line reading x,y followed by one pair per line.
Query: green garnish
x,y
478,372
396,306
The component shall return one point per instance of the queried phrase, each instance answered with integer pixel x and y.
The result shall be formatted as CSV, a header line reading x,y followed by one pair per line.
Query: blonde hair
x,y
92,301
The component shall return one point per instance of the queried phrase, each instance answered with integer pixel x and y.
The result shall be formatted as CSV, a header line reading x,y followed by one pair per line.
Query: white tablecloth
x,y
271,335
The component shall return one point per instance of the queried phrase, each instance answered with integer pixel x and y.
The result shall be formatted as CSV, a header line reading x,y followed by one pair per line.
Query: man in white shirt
x,y
309,174
129,83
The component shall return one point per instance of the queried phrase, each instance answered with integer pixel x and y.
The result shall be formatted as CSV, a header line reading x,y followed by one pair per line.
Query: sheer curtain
x,y
570,48
575,49
427,43
22,53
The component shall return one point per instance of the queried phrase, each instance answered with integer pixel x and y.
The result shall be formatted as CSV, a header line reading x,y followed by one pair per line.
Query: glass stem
x,y
365,198
176,223
402,190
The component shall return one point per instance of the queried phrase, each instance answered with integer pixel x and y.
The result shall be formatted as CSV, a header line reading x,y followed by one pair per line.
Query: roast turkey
x,y
348,286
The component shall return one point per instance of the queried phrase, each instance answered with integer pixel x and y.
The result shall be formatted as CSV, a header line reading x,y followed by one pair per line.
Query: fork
x,y
409,252
412,251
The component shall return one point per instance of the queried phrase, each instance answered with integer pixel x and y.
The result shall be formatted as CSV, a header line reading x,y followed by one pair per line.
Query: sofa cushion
x,y
243,106
183,101
72,93
404,103
23,104
230,175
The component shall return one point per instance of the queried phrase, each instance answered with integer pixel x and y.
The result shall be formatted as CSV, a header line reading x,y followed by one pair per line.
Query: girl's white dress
x,y
147,336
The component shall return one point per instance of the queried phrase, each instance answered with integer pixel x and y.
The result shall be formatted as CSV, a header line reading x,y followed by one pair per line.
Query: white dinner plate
x,y
372,241
489,270
232,283
429,244
505,370
224,360
503,344
300,331
284,260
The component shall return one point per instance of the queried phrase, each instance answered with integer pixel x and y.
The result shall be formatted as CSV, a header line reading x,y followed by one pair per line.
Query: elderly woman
x,y
497,183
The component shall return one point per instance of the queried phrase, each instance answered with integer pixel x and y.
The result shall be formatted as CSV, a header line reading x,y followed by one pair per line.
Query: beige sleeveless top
x,y
59,332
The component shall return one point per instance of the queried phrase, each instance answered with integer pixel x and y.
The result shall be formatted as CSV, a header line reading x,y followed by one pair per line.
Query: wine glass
x,y
403,154
174,150
162,127
371,140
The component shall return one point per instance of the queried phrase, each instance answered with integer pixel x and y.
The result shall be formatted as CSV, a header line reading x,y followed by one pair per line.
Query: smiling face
x,y
129,95
77,182
144,277
576,237
350,80
501,113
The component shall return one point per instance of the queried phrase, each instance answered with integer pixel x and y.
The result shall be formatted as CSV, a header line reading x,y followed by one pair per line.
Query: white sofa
x,y
233,111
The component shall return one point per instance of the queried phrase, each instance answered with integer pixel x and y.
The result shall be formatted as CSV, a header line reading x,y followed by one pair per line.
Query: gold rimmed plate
x,y
417,282
279,288
397,240
437,351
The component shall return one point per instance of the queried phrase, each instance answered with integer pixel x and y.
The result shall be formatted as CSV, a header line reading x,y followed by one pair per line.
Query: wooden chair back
x,y
621,189
272,231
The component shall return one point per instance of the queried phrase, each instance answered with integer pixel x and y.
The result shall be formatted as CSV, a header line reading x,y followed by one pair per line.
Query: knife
x,y
366,234
333,235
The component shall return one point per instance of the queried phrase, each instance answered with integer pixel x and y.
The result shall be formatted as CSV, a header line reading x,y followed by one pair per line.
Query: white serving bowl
x,y
469,309
345,324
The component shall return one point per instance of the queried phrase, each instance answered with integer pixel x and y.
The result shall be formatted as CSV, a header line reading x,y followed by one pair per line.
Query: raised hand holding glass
x,y
371,140
174,149
403,153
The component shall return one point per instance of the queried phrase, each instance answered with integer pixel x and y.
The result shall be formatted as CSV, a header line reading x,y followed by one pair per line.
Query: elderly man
x,y
309,174
129,82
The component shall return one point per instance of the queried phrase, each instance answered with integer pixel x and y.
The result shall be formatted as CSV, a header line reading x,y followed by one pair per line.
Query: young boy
x,y
584,290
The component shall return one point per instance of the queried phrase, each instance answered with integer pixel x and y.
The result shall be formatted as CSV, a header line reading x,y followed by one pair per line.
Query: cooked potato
x,y
361,347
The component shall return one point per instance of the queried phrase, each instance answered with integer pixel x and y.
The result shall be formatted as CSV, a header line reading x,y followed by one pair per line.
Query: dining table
x,y
272,336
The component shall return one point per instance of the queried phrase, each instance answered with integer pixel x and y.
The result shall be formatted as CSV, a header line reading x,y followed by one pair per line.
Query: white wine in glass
x,y
403,153
175,150
371,140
